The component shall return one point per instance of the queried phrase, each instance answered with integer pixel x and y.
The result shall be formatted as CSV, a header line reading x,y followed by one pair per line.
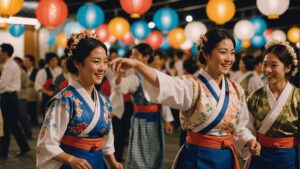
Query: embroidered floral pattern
x,y
79,128
67,93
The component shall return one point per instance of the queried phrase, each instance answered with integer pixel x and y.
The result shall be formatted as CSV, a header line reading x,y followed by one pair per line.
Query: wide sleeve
x,y
175,92
128,84
51,133
41,77
244,129
166,114
108,145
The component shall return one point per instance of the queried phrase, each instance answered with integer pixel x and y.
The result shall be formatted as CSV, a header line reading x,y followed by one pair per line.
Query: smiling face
x,y
274,69
94,67
220,60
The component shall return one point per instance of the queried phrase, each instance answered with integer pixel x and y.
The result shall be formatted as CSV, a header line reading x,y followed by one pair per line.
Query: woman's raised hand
x,y
123,64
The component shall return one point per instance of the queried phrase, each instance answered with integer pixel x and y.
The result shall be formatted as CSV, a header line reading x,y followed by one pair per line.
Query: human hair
x,y
145,50
113,50
31,58
156,53
179,54
49,56
259,59
7,48
19,62
190,66
79,47
249,62
210,40
42,63
61,59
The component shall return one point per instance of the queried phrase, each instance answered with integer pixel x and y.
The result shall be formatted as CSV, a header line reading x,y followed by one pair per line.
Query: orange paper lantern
x,y
246,44
136,7
61,40
118,27
176,37
102,32
220,11
293,34
51,13
10,7
155,39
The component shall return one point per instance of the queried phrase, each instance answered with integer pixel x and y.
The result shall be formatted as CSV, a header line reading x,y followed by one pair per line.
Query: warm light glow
x,y
151,25
20,20
189,18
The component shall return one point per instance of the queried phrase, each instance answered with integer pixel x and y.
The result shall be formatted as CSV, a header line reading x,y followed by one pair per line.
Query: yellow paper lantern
x,y
220,11
176,37
294,34
10,7
246,44
118,27
61,40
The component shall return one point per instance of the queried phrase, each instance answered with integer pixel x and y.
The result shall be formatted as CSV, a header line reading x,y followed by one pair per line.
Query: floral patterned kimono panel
x,y
77,125
276,123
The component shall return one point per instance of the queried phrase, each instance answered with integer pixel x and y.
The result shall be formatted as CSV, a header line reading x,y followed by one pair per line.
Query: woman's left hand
x,y
117,165
254,147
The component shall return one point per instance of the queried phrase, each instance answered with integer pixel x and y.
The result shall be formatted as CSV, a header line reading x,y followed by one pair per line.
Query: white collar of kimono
x,y
95,107
221,95
244,76
212,82
276,107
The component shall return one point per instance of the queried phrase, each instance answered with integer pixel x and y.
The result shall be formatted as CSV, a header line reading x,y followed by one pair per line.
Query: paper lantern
x,y
16,30
127,39
52,39
268,34
259,24
293,34
102,32
10,7
194,49
278,35
246,44
118,27
121,52
165,44
238,44
188,44
72,27
258,41
244,29
176,37
140,29
90,16
44,36
155,39
136,7
112,39
166,19
193,30
61,40
51,13
272,8
220,11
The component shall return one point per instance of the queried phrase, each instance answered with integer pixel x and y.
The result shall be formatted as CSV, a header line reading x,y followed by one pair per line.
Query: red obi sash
x,y
127,97
215,142
272,142
90,144
146,108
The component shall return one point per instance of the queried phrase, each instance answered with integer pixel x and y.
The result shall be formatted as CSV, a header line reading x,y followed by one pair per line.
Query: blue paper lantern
x,y
238,44
16,30
140,29
121,45
166,19
90,16
122,52
165,45
195,50
52,39
260,25
258,41
72,27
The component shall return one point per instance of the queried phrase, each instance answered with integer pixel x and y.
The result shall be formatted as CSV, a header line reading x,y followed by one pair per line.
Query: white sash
x,y
215,111
244,76
275,108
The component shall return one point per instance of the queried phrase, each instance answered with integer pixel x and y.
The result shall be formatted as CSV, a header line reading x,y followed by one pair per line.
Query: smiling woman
x,y
77,131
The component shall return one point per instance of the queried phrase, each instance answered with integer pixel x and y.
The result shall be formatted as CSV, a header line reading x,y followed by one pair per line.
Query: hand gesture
x,y
78,163
117,165
168,127
123,64
254,147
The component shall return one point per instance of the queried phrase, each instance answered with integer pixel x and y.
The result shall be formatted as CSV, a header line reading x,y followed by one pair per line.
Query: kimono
x,y
256,82
276,124
77,125
244,82
146,137
209,114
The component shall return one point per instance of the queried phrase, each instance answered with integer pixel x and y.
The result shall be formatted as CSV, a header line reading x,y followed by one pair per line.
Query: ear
x,y
76,64
288,69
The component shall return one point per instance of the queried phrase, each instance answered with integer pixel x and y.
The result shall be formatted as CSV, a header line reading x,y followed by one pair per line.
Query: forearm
x,y
111,159
148,73
64,158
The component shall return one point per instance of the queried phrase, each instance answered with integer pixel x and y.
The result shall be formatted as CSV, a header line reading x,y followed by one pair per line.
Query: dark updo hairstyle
x,y
249,62
212,39
190,66
49,56
145,50
83,49
281,52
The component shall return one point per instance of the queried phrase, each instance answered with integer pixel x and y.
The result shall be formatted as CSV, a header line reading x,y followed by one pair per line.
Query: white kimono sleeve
x,y
244,131
52,131
174,92
166,114
108,145
128,84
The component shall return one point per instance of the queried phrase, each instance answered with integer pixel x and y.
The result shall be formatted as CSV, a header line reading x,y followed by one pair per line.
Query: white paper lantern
x,y
278,35
44,35
188,44
193,30
244,30
272,8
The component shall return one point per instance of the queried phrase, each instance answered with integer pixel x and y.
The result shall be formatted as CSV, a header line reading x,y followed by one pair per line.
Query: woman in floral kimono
x,y
213,108
146,138
77,130
275,109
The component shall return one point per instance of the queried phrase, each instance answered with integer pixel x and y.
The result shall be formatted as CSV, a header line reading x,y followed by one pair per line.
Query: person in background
x,y
258,79
247,65
10,84
63,79
179,62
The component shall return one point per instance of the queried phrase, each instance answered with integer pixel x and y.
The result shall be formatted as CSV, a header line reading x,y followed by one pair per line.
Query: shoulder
x,y
65,98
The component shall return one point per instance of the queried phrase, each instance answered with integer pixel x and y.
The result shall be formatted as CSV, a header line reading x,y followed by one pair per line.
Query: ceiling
x,y
244,10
